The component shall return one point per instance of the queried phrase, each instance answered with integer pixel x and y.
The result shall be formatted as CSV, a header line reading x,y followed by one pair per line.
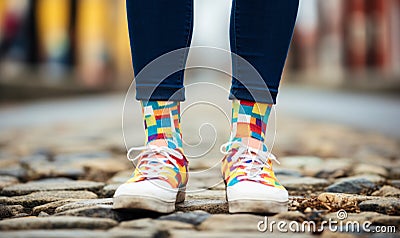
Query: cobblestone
x,y
7,181
65,183
304,184
40,198
37,186
351,185
84,204
51,206
27,223
387,191
389,206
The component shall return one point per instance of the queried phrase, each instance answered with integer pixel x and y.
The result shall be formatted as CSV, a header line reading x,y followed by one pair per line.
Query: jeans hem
x,y
160,93
254,95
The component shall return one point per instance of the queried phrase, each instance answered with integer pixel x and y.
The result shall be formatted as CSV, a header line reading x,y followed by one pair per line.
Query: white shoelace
x,y
153,165
258,159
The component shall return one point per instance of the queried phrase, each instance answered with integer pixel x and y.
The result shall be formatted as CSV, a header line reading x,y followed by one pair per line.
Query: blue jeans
x,y
260,33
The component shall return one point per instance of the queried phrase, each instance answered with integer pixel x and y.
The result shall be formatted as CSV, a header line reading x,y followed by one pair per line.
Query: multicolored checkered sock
x,y
162,123
249,122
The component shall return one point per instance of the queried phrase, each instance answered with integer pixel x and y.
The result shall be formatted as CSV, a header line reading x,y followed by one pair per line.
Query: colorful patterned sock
x,y
249,122
162,123
249,125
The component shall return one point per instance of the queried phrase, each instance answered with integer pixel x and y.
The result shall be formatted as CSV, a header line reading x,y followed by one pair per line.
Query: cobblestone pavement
x,y
61,177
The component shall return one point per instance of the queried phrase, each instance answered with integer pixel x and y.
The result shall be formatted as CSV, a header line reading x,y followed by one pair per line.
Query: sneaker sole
x,y
257,206
147,203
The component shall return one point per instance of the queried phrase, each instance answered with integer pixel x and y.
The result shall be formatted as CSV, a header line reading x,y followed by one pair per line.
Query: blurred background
x,y
343,66
66,43
82,45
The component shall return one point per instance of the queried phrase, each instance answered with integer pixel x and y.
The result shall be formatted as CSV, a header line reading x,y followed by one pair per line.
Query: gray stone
x,y
387,191
147,223
119,232
109,190
205,179
291,216
210,206
40,198
395,183
242,234
10,211
333,168
22,214
54,180
28,223
387,221
50,207
336,234
380,147
7,181
237,222
78,157
100,208
287,172
354,185
194,218
37,186
120,177
67,165
304,184
103,169
101,211
43,167
390,206
59,233
370,169
14,171
43,214
206,195
373,178
328,173
300,162
83,204
394,173
34,158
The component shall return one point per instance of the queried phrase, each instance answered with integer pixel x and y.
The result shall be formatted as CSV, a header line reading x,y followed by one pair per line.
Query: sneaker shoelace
x,y
152,166
249,160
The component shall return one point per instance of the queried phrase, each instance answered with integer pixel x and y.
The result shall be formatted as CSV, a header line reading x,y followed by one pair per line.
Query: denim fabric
x,y
260,33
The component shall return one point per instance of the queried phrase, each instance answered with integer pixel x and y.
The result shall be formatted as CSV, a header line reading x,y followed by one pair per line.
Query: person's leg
x,y
260,34
157,27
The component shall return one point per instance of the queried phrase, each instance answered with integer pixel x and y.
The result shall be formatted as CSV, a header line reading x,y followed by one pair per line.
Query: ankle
x,y
252,143
165,143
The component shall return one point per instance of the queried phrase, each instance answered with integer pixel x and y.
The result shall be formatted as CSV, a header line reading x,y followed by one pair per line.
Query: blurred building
x,y
86,41
351,40
83,40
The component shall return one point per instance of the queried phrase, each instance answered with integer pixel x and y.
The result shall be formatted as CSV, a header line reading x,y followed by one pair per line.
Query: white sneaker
x,y
251,185
158,183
